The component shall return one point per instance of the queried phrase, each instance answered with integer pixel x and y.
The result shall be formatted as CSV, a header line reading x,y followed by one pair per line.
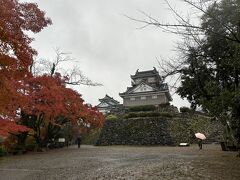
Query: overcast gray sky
x,y
108,46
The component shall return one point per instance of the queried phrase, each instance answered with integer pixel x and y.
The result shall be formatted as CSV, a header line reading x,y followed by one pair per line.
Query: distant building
x,y
147,89
107,104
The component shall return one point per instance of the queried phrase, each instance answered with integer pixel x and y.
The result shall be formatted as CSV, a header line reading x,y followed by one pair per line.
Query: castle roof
x,y
107,98
149,73
143,87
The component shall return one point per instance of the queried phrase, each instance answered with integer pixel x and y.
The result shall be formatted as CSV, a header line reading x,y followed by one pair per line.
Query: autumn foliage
x,y
49,95
11,127
16,54
26,99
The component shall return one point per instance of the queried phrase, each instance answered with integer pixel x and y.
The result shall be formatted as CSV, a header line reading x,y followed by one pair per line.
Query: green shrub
x,y
111,117
142,108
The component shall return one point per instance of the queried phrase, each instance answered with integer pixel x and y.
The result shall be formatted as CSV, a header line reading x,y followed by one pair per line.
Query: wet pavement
x,y
123,162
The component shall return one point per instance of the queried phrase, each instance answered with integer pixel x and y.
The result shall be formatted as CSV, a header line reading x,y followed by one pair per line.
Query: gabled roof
x,y
130,90
147,86
103,105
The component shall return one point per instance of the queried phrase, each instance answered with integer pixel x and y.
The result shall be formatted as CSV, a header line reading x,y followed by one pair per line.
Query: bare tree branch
x,y
183,26
74,76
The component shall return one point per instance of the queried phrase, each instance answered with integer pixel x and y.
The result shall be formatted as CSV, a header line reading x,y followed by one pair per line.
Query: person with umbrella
x,y
200,137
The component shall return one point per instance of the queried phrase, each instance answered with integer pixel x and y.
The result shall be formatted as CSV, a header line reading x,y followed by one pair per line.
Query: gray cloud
x,y
109,46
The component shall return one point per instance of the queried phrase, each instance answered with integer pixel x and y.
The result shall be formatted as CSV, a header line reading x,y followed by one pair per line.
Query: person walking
x,y
79,141
200,143
200,137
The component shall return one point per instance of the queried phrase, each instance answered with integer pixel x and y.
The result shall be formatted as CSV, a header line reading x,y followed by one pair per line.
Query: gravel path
x,y
123,162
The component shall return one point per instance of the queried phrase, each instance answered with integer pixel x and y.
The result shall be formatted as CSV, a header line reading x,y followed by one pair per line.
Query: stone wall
x,y
136,131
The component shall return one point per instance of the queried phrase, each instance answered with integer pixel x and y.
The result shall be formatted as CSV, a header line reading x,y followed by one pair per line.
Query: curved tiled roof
x,y
108,98
149,73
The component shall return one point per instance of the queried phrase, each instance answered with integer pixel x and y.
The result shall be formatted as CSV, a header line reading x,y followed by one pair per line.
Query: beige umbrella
x,y
200,136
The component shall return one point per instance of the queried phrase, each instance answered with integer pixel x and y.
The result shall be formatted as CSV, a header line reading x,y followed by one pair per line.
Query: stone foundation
x,y
136,131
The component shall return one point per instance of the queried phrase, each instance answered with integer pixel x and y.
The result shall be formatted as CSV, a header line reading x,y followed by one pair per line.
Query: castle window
x,y
143,97
154,97
132,99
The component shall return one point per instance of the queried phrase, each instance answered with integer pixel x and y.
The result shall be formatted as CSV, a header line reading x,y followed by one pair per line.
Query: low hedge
x,y
148,114
142,108
164,105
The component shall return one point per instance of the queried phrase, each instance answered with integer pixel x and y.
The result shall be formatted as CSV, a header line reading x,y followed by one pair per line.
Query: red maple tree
x,y
16,54
50,100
